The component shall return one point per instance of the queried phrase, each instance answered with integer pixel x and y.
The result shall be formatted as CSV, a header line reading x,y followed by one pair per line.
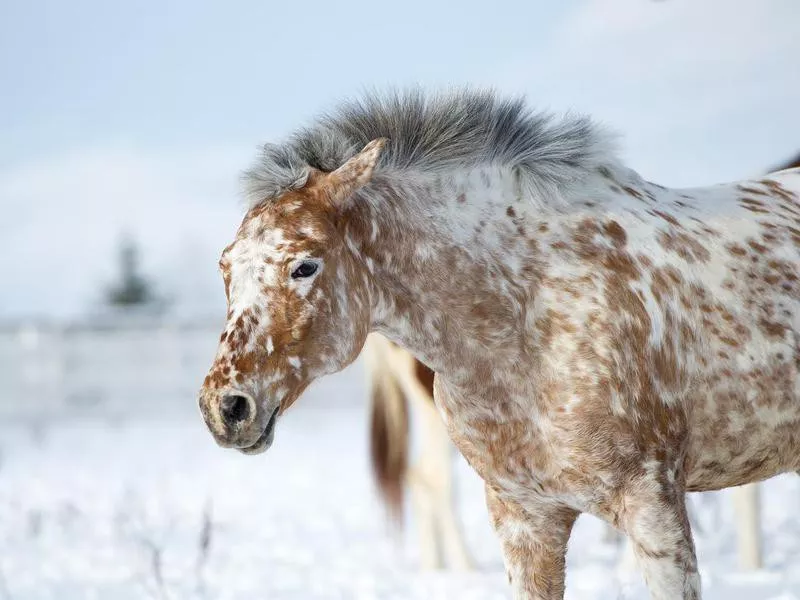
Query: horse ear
x,y
353,174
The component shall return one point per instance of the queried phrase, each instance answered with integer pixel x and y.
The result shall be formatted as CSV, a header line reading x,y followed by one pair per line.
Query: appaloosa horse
x,y
601,344
400,385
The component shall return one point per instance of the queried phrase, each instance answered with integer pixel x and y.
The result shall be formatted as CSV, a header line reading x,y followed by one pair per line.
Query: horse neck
x,y
453,264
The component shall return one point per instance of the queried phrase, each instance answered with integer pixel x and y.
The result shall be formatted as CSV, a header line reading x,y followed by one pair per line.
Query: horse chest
x,y
508,448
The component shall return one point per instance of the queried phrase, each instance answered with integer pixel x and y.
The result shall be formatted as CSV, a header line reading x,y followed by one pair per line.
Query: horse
x,y
397,382
602,344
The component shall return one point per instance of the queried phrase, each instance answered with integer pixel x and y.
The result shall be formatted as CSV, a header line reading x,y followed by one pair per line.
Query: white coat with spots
x,y
602,344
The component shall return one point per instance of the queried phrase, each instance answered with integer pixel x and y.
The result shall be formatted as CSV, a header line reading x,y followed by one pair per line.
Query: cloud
x,y
64,216
702,91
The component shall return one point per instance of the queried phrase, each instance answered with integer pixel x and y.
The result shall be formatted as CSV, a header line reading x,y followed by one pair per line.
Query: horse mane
x,y
431,133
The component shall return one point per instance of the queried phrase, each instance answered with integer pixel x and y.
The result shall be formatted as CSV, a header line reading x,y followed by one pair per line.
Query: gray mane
x,y
433,133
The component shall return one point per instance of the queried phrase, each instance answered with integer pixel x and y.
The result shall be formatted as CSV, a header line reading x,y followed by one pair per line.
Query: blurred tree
x,y
132,289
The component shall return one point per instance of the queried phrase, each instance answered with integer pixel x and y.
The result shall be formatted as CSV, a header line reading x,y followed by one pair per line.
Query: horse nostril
x,y
234,409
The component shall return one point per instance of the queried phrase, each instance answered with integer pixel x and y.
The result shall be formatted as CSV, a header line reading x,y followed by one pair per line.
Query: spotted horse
x,y
602,344
401,391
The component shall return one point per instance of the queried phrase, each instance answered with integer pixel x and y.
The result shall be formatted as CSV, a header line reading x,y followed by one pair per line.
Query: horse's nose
x,y
232,416
235,408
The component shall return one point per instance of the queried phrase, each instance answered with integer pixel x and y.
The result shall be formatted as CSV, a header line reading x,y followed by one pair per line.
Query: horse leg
x,y
422,500
655,518
534,541
441,475
433,472
748,530
627,562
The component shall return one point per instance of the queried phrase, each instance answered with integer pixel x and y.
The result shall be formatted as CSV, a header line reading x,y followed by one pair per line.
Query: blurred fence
x,y
112,368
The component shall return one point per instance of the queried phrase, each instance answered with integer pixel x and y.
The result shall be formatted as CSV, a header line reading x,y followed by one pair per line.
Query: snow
x,y
149,507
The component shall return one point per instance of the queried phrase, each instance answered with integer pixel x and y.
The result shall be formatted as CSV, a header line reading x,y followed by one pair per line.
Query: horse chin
x,y
264,441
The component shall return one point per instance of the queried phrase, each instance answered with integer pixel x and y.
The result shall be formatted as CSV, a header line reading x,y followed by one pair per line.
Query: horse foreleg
x,y
748,526
534,541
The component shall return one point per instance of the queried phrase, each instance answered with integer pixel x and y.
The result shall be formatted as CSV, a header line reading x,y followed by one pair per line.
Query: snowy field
x,y
149,507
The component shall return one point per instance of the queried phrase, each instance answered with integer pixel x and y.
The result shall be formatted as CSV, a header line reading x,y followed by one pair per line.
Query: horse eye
x,y
306,269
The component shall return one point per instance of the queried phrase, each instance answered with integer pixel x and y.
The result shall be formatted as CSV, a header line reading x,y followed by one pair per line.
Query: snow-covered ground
x,y
151,508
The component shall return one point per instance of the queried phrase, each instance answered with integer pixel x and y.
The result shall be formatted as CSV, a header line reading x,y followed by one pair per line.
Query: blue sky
x,y
139,116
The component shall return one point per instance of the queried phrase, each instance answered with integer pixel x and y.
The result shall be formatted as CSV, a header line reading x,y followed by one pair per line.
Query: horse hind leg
x,y
431,485
657,523
423,504
627,562
450,534
421,477
436,467
430,480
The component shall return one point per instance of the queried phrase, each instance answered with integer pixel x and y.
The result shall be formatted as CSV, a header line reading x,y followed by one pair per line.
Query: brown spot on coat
x,y
615,231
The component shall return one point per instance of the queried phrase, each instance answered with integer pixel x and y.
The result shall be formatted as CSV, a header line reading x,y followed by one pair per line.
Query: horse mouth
x,y
265,439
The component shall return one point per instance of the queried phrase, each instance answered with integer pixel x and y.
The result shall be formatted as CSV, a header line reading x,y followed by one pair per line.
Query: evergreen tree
x,y
132,289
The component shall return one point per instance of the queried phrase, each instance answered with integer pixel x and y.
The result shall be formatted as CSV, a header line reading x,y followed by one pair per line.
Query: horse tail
x,y
389,427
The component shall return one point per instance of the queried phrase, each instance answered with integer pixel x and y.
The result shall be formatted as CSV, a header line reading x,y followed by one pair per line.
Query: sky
x,y
137,118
